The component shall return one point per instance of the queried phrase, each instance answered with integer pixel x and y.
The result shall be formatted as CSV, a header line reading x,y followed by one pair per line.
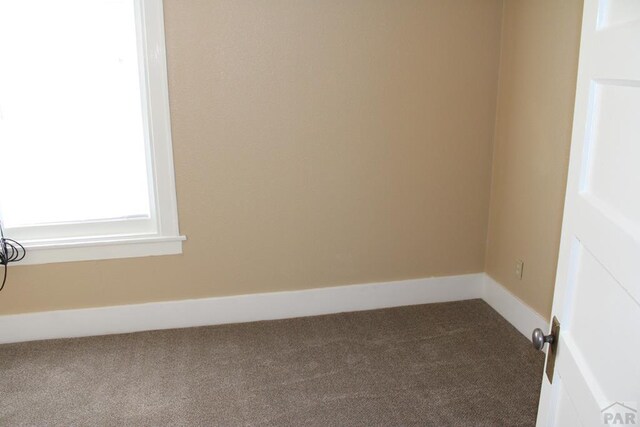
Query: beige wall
x,y
316,143
540,42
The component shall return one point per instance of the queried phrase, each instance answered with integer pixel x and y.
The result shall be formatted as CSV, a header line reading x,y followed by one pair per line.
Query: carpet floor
x,y
449,364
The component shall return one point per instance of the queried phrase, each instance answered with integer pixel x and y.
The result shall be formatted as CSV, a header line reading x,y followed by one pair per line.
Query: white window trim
x,y
166,239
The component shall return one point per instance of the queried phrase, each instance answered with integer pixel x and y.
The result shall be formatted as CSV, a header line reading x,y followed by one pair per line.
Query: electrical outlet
x,y
519,268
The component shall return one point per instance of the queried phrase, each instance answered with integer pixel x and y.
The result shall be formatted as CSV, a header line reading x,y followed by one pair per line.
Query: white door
x,y
596,378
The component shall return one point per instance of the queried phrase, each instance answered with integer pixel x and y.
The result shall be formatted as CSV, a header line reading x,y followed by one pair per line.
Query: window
x,y
85,142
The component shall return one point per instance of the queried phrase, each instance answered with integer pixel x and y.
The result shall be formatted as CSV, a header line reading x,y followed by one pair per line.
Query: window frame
x,y
133,237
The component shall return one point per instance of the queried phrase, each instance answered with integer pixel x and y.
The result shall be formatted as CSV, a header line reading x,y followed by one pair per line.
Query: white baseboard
x,y
524,318
268,306
236,309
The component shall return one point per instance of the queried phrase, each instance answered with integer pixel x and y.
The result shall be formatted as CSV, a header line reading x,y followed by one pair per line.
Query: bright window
x,y
85,146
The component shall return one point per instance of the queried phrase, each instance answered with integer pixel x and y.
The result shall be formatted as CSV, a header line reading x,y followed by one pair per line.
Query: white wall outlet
x,y
519,268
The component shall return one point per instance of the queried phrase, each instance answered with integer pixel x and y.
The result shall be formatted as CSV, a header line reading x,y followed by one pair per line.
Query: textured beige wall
x,y
539,59
316,143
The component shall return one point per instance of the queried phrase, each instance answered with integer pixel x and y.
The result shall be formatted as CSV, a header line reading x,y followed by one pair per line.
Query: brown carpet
x,y
457,364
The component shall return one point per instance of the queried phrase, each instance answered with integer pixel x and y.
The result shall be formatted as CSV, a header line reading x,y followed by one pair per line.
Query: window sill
x,y
111,247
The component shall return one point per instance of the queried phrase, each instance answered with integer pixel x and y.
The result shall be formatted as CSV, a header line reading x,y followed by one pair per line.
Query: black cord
x,y
10,251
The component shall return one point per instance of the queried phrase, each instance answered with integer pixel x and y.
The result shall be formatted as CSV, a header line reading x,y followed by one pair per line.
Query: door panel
x,y
617,12
612,175
607,352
